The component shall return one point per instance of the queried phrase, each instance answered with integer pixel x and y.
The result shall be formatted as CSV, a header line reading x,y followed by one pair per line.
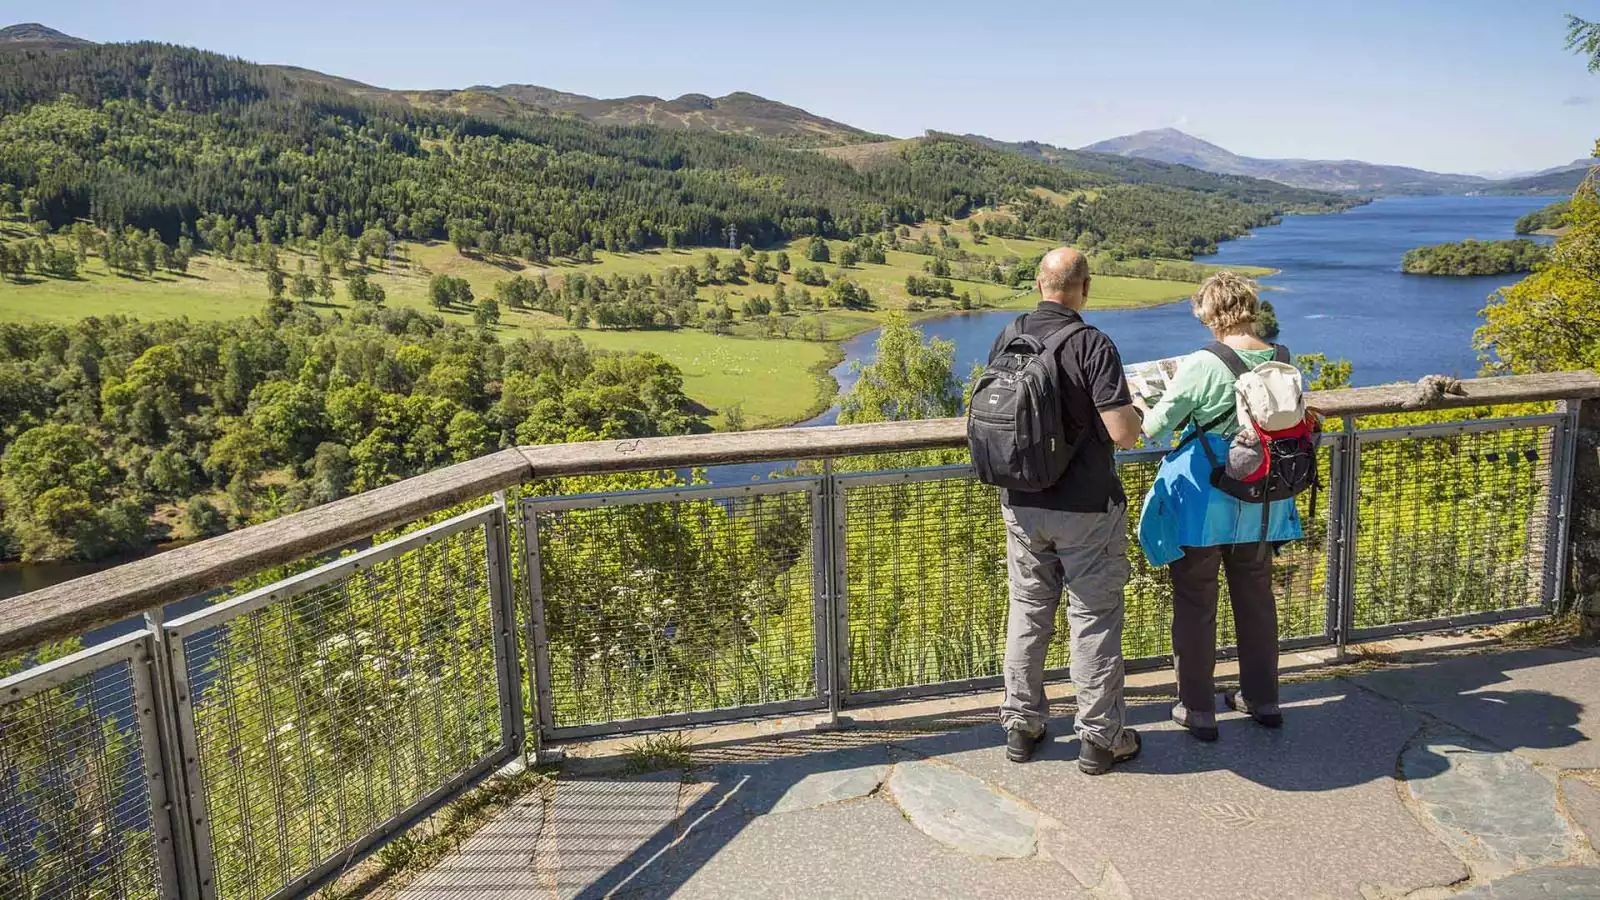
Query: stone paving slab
x,y
1582,883
860,849
962,812
1543,703
1309,810
1582,803
1493,806
801,782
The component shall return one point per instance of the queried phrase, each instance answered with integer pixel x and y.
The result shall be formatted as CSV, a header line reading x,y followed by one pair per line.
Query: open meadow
x,y
774,380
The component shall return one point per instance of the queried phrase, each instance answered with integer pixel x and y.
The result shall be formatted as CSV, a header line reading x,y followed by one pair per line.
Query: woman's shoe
x,y
1265,715
1203,726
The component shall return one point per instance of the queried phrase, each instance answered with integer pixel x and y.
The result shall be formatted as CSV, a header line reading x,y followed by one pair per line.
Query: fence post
x,y
1557,452
1333,622
537,639
830,601
503,609
1582,525
187,746
178,832
1342,577
156,710
822,591
841,595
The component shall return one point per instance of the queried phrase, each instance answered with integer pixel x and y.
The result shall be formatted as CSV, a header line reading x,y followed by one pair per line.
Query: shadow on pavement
x,y
620,837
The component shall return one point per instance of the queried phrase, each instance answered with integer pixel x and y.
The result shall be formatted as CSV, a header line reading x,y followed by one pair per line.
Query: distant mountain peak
x,y
1170,145
1169,140
34,33
693,101
1175,134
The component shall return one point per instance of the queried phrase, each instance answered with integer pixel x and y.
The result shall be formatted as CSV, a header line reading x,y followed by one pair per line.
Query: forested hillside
x,y
736,113
155,136
210,426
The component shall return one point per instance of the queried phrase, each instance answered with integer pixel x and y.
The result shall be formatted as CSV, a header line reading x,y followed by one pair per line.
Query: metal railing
x,y
83,785
665,607
259,747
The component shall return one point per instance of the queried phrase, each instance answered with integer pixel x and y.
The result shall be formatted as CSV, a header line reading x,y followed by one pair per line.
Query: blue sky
x,y
1464,85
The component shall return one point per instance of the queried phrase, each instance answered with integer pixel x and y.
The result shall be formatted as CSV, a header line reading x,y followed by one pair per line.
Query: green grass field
x,y
773,381
1112,292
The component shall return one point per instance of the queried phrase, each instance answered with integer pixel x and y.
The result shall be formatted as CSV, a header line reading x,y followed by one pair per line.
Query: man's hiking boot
x,y
1265,715
1203,726
1094,759
1020,744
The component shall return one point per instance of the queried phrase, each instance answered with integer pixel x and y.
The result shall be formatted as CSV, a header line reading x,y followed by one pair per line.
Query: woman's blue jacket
x,y
1182,508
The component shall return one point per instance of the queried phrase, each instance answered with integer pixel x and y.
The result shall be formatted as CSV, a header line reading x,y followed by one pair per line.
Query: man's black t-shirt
x,y
1092,380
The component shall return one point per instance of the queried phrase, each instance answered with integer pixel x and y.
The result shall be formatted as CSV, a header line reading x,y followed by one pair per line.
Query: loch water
x,y
1339,291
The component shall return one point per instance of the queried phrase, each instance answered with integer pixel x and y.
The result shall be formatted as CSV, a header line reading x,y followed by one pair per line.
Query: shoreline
x,y
829,396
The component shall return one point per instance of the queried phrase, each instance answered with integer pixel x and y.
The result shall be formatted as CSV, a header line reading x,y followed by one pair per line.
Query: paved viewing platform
x,y
1441,772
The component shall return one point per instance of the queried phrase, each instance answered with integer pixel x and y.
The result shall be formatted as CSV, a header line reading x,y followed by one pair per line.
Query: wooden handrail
x,y
73,607
846,440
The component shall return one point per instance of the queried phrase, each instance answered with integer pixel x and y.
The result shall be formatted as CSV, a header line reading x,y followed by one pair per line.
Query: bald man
x,y
1072,535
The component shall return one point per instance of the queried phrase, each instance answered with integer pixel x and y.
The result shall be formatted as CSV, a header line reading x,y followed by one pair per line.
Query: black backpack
x,y
1016,426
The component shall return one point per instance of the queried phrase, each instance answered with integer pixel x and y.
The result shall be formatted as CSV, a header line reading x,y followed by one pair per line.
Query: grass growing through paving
x,y
654,752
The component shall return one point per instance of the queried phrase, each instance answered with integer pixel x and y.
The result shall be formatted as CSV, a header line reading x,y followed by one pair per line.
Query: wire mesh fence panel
x,y
662,603
926,584
1451,522
925,580
324,709
76,812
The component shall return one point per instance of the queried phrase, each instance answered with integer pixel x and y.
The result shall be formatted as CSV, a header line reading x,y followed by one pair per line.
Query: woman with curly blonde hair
x,y
1199,530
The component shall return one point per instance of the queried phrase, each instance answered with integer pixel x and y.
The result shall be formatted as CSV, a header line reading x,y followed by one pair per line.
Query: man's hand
x,y
1124,424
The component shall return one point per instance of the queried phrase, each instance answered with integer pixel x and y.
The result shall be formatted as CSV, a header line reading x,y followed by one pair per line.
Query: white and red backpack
x,y
1274,455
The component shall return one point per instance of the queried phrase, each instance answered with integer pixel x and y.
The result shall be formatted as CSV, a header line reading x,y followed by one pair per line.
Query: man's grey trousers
x,y
1087,555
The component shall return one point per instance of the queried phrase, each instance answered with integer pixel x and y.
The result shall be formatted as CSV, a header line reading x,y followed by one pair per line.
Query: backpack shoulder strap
x,y
1009,334
1237,367
1280,353
1229,358
1060,335
1052,345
